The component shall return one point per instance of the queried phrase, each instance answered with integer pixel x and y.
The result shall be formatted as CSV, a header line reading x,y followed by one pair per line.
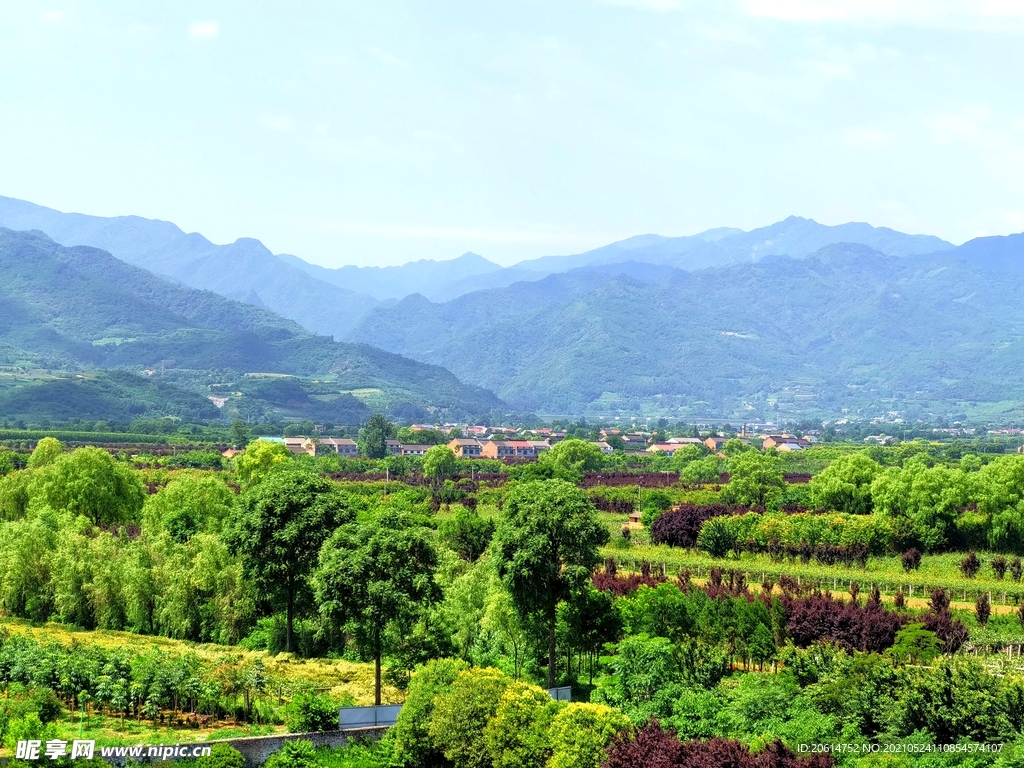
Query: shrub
x,y
970,566
294,754
413,743
311,711
461,715
716,539
221,756
911,559
580,732
517,735
999,566
1015,569
681,526
982,608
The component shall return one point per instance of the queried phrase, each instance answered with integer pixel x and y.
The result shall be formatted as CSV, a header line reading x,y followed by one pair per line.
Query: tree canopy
x,y
546,547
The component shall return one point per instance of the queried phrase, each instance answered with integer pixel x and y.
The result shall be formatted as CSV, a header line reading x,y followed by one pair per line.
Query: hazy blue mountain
x,y
244,270
846,327
81,309
430,278
1001,253
794,236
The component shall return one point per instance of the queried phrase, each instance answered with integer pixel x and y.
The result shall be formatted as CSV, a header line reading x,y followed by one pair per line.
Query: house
x,y
466,447
497,449
774,441
414,450
685,441
669,448
343,446
603,446
540,445
300,445
787,447
230,453
394,447
714,444
635,442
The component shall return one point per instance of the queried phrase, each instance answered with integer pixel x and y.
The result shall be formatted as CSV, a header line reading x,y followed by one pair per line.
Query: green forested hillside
x,y
72,309
845,328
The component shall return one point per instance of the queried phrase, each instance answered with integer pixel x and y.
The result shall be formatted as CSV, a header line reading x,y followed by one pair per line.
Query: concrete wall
x,y
256,749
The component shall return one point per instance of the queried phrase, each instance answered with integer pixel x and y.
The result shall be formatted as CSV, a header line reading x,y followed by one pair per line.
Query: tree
x,y
573,457
916,645
546,547
467,534
279,529
374,436
259,459
188,505
240,434
374,576
755,479
845,484
439,464
706,470
46,452
90,482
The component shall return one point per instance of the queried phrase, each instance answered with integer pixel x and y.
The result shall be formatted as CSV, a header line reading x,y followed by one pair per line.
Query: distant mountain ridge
x,y
426,276
846,327
81,309
244,270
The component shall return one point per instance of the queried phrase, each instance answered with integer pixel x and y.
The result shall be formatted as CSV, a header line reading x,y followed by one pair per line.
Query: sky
x,y
386,132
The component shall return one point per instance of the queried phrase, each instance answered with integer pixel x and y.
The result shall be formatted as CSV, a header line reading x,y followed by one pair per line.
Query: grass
x,y
285,674
337,677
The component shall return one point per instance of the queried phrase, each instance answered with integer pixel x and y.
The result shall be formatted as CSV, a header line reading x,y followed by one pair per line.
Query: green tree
x,y
90,482
845,484
374,436
374,576
259,459
439,464
46,452
188,505
915,645
279,529
755,479
686,455
240,434
467,534
706,470
546,547
572,457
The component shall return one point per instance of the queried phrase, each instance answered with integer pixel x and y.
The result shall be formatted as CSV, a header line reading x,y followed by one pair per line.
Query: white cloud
x,y
281,123
203,30
51,16
871,138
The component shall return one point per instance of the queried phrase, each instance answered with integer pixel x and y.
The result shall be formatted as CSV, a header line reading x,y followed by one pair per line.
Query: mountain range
x,y
72,312
797,317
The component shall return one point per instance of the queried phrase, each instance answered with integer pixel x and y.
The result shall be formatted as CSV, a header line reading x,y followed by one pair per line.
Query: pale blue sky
x,y
383,132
